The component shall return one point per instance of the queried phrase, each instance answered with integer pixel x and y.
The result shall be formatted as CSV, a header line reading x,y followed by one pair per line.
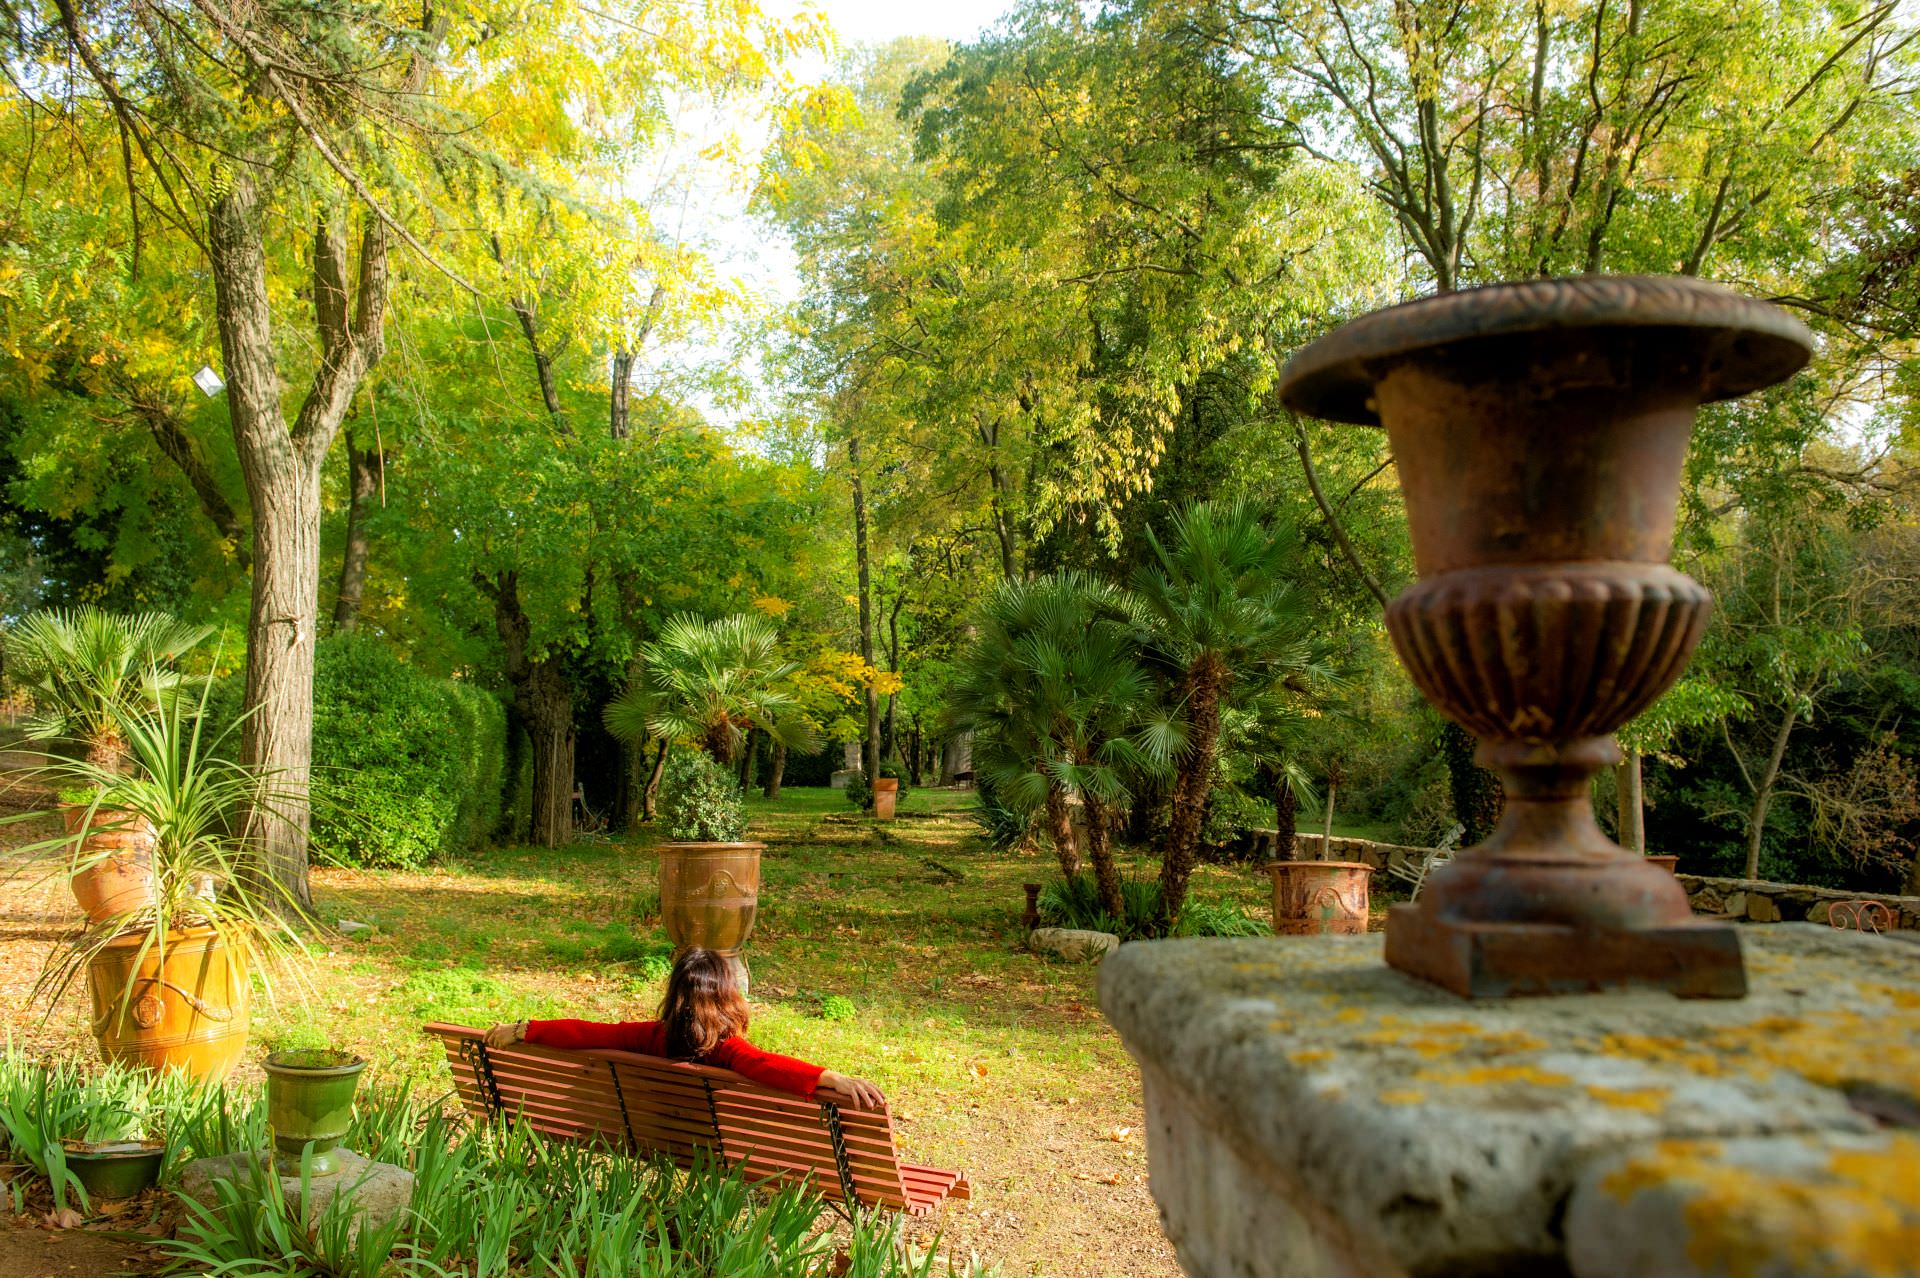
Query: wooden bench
x,y
643,1104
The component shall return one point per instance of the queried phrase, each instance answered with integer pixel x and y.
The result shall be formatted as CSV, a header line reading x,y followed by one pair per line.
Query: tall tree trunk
x,y
915,743
1286,818
1763,792
1630,807
1191,785
1106,874
870,745
619,424
543,698
282,467
1477,796
363,476
777,771
650,801
1060,827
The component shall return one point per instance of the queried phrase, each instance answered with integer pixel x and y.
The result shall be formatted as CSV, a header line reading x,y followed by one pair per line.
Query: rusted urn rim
x,y
1275,866
1754,343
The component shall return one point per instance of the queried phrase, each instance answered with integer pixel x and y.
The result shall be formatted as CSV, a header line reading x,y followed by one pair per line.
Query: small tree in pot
x,y
709,873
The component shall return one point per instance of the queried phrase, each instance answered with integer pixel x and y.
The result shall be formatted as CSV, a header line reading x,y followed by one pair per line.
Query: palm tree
x,y
89,670
711,681
1223,618
1055,696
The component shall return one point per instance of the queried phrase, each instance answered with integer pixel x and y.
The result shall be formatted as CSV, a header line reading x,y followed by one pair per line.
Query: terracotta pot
x,y
1313,898
119,847
1671,864
886,796
187,1012
709,893
310,1106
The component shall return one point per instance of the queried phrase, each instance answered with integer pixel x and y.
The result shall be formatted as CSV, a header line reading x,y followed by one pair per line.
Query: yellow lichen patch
x,y
1489,1075
1402,1096
1649,1100
1312,1056
1859,1213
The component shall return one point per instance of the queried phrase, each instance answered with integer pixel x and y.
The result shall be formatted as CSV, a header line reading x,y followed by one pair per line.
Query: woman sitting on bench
x,y
703,1019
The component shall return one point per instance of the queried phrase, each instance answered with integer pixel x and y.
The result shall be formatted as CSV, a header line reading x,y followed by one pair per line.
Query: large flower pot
x,y
709,893
886,793
310,1106
116,857
1540,431
1312,898
186,1010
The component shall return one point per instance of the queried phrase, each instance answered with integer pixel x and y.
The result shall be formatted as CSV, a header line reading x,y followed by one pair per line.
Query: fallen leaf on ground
x,y
65,1218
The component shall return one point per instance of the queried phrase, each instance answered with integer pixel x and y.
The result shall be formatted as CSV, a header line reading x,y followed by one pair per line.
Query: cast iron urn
x,y
1539,430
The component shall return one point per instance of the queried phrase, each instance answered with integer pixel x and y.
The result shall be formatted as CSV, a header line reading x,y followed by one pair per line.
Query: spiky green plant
x,y
710,681
87,669
1056,697
1221,615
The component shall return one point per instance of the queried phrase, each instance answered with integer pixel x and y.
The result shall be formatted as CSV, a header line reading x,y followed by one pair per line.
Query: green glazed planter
x,y
309,1105
115,1168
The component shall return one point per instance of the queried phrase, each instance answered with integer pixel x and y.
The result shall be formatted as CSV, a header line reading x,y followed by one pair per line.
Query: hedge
x,y
406,766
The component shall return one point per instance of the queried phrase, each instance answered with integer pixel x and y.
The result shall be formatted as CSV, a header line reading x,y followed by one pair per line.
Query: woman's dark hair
x,y
703,1007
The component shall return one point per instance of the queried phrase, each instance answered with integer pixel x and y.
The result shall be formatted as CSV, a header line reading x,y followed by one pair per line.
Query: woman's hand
x,y
507,1035
857,1092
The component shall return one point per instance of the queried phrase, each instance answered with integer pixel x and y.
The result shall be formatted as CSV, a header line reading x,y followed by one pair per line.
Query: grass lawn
x,y
994,1060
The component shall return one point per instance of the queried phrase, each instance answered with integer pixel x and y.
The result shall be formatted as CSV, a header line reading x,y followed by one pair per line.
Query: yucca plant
x,y
710,681
208,876
88,669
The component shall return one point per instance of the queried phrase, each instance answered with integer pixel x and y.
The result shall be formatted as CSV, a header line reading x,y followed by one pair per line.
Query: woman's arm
x,y
798,1077
625,1036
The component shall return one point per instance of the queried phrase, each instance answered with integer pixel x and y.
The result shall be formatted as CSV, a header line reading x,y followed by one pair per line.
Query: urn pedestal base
x,y
1498,960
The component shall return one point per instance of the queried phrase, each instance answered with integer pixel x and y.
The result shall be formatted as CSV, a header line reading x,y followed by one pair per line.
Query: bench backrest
x,y
646,1104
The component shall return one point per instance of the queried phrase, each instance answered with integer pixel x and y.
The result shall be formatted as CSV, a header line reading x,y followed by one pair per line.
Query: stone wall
x,y
1758,901
1381,856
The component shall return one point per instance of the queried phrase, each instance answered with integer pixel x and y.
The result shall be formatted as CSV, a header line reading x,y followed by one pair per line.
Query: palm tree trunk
x,y
1106,874
1060,826
1286,819
650,800
777,771
1191,786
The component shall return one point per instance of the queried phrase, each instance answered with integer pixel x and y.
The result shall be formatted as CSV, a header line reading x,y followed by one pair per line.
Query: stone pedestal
x,y
1311,1112
379,1192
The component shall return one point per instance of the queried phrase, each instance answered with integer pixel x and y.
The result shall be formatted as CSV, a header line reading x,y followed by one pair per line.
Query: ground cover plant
x,y
488,1200
891,949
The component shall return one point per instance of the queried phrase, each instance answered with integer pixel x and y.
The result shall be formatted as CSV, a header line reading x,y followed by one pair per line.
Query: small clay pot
x,y
1671,864
886,794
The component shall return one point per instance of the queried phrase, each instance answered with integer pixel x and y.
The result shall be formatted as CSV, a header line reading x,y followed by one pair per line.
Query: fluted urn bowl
x,y
1540,430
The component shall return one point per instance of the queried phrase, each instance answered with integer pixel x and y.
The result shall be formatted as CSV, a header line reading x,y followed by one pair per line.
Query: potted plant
x,y
169,976
86,669
709,872
114,1154
310,1106
1320,896
886,793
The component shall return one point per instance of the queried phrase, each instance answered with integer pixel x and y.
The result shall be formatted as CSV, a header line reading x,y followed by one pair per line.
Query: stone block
x,y
1820,912
1810,1206
1312,1112
1075,945
838,780
1735,904
378,1192
1761,908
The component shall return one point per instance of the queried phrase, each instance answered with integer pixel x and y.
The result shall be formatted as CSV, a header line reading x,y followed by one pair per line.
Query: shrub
x,y
837,1007
406,766
858,792
1004,827
1075,903
699,802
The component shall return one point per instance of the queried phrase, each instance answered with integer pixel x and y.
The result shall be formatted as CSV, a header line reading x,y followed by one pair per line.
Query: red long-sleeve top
x,y
649,1038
